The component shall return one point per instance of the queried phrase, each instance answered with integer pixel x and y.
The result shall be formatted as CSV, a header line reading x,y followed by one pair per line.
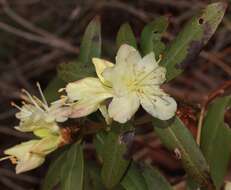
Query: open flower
x,y
131,82
136,81
31,154
36,114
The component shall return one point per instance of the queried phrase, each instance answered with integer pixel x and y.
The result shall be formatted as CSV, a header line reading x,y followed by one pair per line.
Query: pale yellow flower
x,y
30,155
36,114
89,94
131,82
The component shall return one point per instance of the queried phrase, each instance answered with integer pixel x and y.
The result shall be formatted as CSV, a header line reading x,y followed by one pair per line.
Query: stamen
x,y
41,93
16,106
41,103
61,90
32,100
5,158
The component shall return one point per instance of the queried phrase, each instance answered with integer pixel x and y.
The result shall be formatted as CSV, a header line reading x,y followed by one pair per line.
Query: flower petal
x,y
104,112
127,54
161,107
20,150
86,88
46,145
100,66
121,109
87,106
30,162
148,71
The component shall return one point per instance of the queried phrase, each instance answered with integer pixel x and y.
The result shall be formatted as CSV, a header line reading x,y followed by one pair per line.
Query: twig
x,y
10,184
29,36
21,177
212,58
128,8
218,92
11,132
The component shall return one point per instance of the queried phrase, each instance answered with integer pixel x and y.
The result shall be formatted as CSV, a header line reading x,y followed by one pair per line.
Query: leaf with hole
x,y
192,39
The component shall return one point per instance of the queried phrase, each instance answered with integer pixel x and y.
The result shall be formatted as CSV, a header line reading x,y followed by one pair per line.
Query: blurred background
x,y
37,35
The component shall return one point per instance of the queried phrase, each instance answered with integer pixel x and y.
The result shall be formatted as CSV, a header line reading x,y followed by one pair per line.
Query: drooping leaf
x,y
73,171
51,91
53,175
216,140
134,180
114,163
92,179
155,180
125,35
176,137
192,38
151,36
90,47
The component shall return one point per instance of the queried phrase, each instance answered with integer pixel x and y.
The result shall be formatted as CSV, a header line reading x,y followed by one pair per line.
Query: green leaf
x,y
51,91
91,42
73,171
74,71
191,184
125,35
176,137
134,179
90,47
192,38
114,164
155,180
92,179
151,36
54,172
216,140
99,142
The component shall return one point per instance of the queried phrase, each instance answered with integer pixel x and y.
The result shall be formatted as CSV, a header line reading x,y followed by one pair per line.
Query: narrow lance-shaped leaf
x,y
90,47
92,179
99,143
125,35
192,38
114,163
53,175
151,36
177,138
73,171
134,180
155,180
216,140
91,42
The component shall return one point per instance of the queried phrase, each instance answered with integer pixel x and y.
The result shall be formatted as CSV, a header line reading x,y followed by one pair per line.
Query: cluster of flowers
x,y
131,82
